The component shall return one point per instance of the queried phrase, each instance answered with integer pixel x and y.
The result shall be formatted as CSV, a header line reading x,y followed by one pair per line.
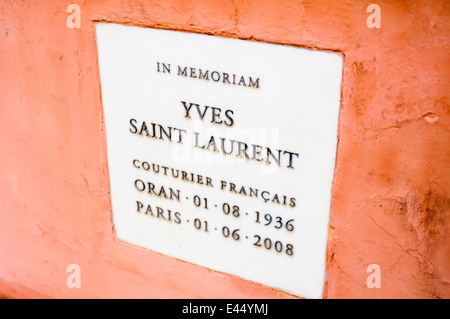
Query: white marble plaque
x,y
221,151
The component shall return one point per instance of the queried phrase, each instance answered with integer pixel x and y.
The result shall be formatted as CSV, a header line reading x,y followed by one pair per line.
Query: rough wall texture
x,y
390,201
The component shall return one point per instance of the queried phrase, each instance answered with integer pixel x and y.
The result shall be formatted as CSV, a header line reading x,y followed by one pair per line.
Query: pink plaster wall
x,y
390,202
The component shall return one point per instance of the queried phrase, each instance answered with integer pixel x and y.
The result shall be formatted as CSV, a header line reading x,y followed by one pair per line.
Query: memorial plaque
x,y
221,152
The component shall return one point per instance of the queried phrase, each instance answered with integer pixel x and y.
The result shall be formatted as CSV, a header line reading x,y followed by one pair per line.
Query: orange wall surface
x,y
390,203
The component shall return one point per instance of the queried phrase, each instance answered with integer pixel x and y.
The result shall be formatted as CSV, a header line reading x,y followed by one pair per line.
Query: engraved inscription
x,y
222,160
